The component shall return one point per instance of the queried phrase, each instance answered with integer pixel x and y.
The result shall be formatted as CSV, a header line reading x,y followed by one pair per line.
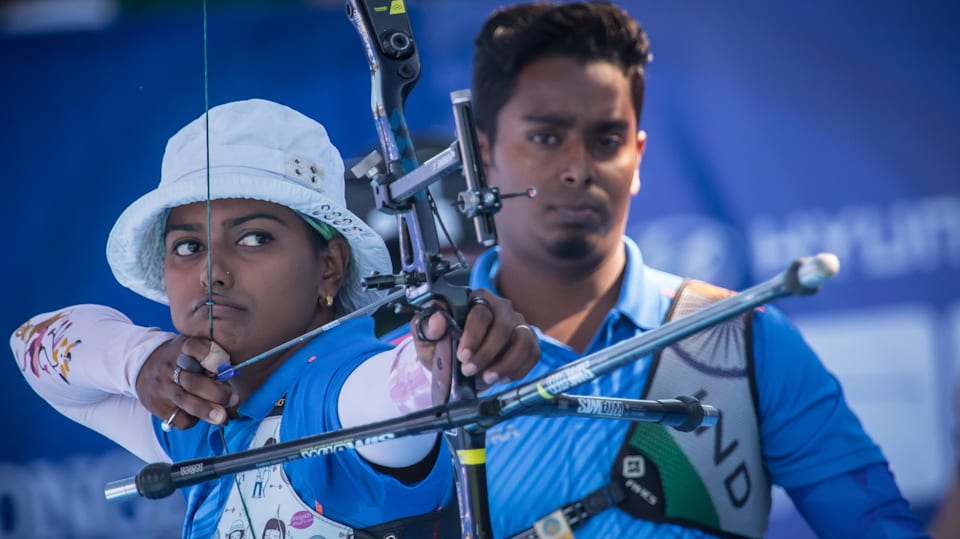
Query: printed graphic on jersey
x,y
659,481
46,346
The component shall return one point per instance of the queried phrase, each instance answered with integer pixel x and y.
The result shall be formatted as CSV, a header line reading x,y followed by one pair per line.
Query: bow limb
x,y
387,36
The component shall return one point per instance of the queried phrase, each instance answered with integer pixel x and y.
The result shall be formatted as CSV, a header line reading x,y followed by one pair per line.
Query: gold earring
x,y
327,300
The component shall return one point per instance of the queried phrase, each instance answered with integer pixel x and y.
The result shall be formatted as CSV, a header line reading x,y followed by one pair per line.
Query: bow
x,y
391,51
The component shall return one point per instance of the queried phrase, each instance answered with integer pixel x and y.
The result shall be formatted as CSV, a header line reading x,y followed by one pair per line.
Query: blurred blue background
x,y
776,130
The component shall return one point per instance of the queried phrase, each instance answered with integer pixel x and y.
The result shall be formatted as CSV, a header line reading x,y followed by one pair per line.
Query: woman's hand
x,y
496,344
188,396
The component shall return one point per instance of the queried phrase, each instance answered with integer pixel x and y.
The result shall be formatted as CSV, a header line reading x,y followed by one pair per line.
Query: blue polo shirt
x,y
808,433
347,488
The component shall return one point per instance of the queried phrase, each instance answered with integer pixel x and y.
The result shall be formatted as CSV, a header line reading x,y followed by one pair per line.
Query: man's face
x,y
267,274
570,130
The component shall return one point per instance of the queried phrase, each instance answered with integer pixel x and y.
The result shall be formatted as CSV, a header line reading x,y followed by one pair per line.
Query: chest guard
x,y
712,478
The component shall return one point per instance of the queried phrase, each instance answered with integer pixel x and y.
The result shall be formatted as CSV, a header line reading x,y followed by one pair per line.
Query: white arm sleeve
x,y
84,361
374,392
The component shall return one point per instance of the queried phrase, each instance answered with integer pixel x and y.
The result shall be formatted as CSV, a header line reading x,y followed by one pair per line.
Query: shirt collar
x,y
641,297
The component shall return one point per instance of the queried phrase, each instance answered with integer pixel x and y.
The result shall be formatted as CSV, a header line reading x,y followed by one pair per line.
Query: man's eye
x,y
611,141
254,239
544,138
186,248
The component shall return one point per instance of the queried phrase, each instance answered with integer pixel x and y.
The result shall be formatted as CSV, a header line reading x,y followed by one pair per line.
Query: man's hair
x,y
515,36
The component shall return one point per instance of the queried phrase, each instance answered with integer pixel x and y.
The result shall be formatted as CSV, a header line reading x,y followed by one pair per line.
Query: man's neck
x,y
568,302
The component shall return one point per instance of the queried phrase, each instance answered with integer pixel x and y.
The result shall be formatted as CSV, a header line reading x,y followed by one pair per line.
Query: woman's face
x,y
266,270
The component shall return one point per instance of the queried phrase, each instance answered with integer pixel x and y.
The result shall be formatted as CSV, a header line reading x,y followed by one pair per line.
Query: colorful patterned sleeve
x,y
84,361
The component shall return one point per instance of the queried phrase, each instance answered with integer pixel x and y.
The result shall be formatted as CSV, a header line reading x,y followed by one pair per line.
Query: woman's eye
x,y
186,248
254,239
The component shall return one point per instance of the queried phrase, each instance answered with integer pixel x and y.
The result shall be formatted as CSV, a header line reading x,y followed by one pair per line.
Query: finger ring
x,y
482,301
167,426
176,374
524,326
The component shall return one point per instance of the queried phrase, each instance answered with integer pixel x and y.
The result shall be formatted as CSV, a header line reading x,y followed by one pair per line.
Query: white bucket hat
x,y
258,150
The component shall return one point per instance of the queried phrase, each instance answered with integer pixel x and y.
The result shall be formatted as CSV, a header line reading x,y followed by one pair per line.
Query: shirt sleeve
x,y
84,361
344,483
808,431
864,503
815,446
387,385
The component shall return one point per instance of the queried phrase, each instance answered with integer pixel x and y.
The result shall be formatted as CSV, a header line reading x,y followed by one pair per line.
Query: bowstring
x,y
206,120
210,303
